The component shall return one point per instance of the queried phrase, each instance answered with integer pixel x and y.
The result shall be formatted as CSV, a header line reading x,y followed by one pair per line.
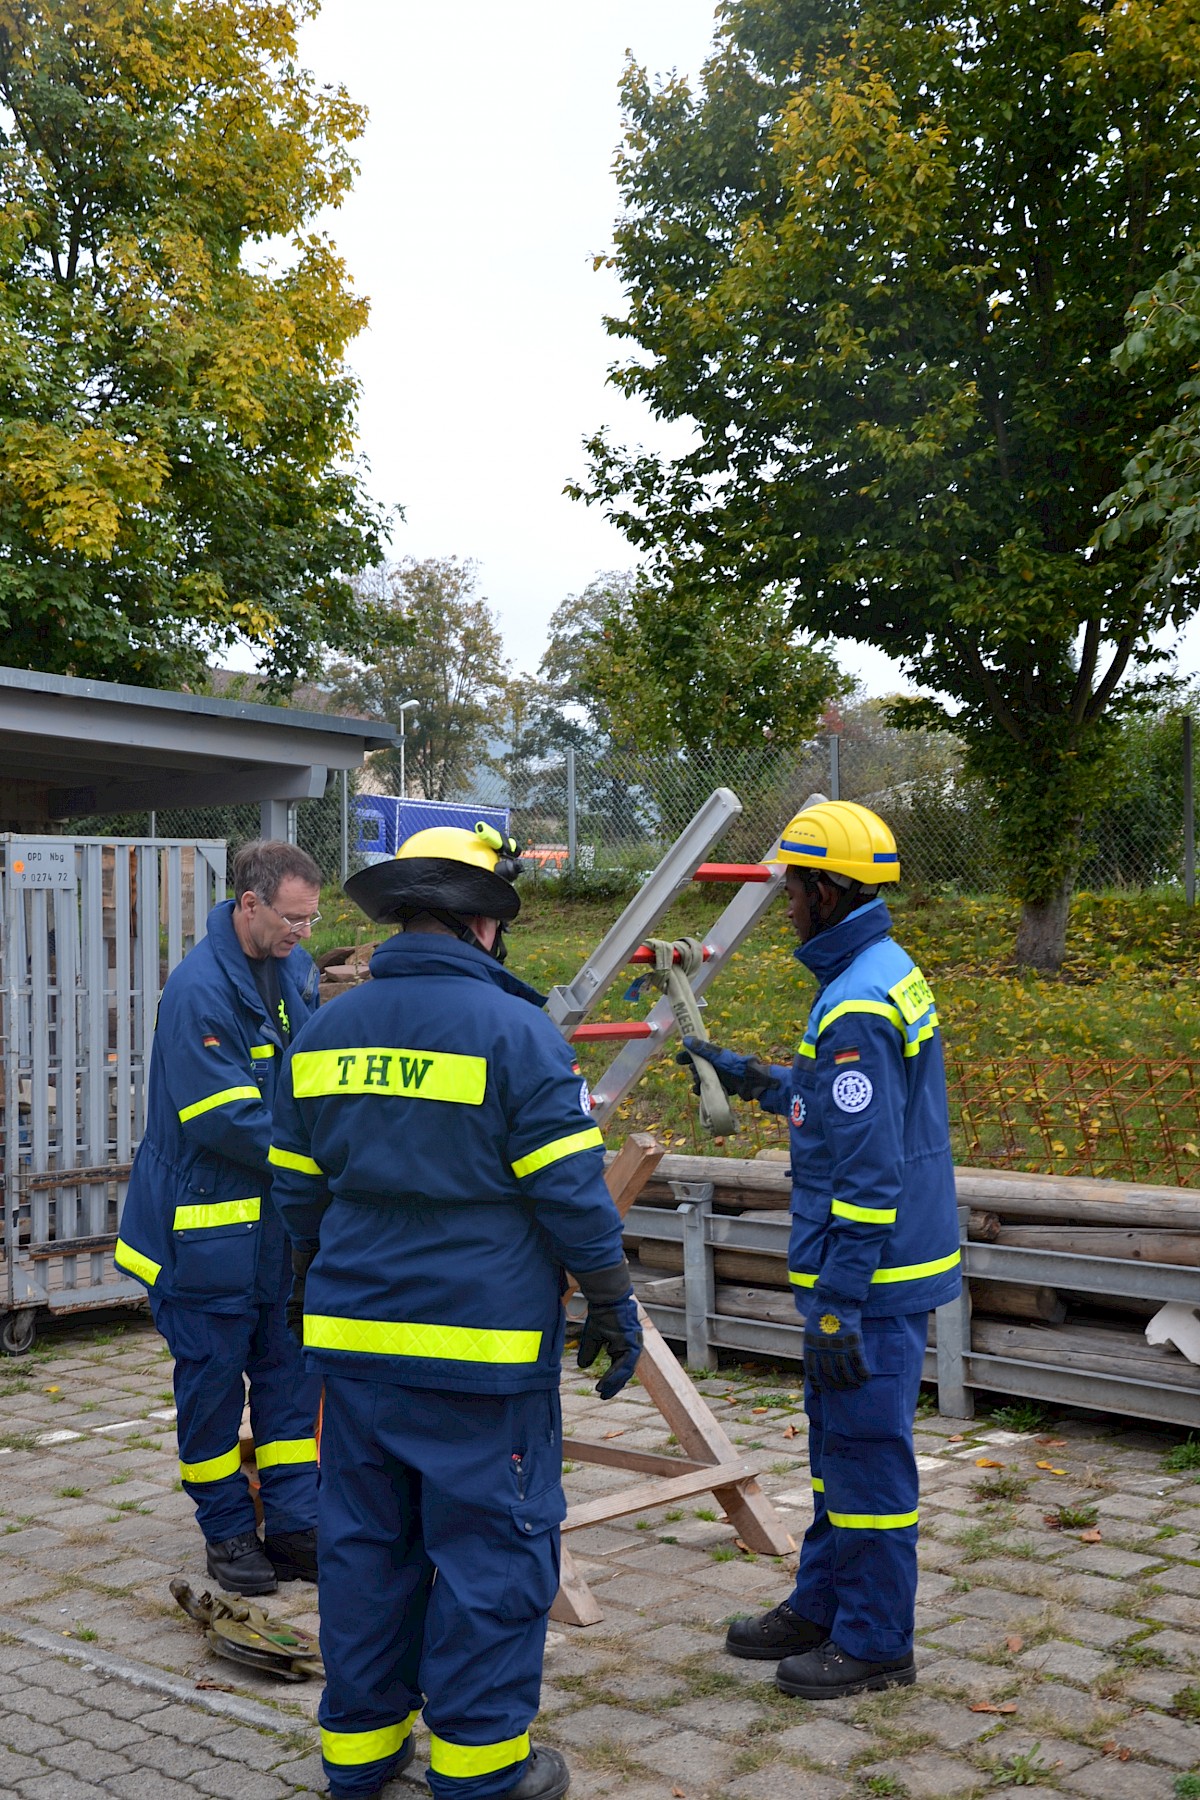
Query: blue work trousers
x,y
213,1353
466,1488
858,1561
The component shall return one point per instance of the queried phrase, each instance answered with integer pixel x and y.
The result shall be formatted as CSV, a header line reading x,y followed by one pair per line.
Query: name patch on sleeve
x,y
913,996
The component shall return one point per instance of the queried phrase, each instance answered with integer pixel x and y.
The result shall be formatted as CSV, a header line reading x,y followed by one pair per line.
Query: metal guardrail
x,y
957,1369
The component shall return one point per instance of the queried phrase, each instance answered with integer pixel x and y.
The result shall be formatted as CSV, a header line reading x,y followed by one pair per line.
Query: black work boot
x,y
240,1566
781,1632
830,1674
293,1554
404,1756
544,1777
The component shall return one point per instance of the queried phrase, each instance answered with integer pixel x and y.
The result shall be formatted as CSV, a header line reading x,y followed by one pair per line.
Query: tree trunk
x,y
1042,934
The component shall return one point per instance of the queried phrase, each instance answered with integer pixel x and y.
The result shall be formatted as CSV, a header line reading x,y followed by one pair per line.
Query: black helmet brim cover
x,y
389,892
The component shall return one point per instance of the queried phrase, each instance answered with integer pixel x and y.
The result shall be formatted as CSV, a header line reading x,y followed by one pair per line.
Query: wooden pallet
x,y
710,1463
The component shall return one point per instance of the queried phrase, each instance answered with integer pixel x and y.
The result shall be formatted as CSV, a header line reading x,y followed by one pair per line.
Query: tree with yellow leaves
x,y
177,465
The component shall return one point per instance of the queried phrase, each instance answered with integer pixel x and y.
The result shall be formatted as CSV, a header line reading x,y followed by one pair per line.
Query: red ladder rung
x,y
611,1028
734,872
646,955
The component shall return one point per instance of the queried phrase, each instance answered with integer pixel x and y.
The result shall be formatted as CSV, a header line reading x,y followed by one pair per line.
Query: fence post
x,y
572,817
345,825
152,824
835,766
699,1275
1189,815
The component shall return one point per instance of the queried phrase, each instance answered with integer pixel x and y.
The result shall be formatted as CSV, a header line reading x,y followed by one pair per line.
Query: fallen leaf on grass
x,y
760,1409
619,1431
989,1706
742,1546
1052,1443
1094,1536
790,1431
1013,1644
1052,1521
1050,1468
1122,1752
985,1462
956,1437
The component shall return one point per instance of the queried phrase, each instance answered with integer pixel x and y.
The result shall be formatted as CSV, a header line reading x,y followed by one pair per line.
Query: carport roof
x,y
69,748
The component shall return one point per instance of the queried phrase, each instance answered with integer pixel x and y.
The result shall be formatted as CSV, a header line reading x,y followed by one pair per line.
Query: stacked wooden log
x,y
1077,1330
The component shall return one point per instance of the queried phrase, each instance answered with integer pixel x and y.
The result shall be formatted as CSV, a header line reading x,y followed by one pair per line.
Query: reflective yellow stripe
x,y
386,1070
292,1159
220,1212
807,1049
913,996
818,1485
866,1215
215,1469
873,1521
221,1099
912,1048
350,1748
591,1139
285,1450
878,1008
466,1760
261,1052
918,1271
909,1271
448,1343
144,1267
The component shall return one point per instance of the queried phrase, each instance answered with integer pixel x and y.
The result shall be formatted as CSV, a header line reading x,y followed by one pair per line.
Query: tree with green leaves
x,y
879,257
177,468
450,660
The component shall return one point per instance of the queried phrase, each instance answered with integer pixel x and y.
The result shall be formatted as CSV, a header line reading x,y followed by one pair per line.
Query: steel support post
x,y
572,812
1189,814
954,1341
835,766
345,825
273,818
699,1275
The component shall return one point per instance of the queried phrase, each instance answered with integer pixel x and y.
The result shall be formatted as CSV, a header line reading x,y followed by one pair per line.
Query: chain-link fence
x,y
612,811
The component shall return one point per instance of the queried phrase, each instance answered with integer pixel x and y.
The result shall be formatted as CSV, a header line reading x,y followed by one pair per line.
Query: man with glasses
x,y
199,1230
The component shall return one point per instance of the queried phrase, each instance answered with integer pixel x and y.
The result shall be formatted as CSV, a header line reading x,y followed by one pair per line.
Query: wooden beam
x,y
656,1493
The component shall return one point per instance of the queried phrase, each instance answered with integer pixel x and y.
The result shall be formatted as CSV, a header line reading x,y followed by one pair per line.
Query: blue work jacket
x,y
197,1225
434,1144
874,1214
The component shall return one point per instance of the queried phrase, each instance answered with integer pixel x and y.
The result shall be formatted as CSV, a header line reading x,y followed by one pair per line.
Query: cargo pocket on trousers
x,y
534,1564
216,1259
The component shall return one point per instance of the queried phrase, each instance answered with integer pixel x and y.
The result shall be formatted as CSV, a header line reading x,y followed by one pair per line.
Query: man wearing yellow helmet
x,y
437,1169
874,1246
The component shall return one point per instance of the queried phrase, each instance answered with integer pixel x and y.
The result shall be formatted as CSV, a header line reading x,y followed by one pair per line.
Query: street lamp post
x,y
405,706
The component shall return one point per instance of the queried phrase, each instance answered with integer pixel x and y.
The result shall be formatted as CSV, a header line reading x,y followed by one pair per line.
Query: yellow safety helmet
x,y
445,869
841,838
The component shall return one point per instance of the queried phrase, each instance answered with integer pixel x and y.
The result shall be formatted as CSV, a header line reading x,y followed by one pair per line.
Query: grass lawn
x,y
1092,1064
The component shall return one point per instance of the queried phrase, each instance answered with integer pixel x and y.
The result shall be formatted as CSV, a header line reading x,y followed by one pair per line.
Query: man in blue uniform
x,y
437,1168
874,1245
199,1229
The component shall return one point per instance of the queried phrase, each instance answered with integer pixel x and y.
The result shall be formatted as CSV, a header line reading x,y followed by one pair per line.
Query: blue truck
x,y
380,823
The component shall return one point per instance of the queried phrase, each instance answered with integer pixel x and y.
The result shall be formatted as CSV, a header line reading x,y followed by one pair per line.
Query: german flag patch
x,y
212,1043
845,1056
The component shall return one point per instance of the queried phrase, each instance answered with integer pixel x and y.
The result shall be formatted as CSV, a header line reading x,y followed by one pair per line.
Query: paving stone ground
x,y
1084,1649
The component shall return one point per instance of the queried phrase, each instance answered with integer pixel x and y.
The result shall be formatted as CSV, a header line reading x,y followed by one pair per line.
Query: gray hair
x,y
263,863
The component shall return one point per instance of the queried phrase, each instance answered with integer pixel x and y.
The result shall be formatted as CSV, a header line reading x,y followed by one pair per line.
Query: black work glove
x,y
834,1360
293,1311
745,1077
612,1324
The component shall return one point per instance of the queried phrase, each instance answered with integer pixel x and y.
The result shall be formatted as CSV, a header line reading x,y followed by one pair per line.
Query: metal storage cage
x,y
91,929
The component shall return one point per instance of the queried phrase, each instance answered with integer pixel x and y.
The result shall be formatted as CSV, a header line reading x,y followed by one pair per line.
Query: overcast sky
x,y
485,191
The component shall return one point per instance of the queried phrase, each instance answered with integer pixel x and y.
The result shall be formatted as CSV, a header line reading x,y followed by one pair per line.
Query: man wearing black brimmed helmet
x,y
437,1168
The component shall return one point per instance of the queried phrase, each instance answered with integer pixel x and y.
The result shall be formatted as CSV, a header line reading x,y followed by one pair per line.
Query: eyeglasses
x,y
294,924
